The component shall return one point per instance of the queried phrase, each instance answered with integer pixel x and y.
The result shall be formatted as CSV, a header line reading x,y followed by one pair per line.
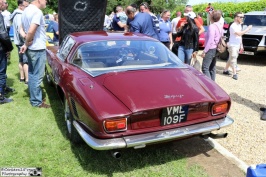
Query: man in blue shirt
x,y
141,22
116,22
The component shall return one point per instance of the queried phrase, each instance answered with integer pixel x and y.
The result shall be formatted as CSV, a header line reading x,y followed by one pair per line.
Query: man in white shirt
x,y
6,14
235,43
35,44
174,23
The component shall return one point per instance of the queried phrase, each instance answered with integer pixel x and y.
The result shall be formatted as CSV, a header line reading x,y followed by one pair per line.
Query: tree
x,y
157,6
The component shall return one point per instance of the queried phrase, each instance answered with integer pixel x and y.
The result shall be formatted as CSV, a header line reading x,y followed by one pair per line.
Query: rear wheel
x,y
72,133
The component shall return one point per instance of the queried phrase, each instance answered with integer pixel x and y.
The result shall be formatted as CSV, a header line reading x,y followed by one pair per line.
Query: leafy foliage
x,y
228,19
229,8
157,6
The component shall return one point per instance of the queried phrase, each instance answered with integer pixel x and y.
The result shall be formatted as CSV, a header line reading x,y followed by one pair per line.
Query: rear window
x,y
108,56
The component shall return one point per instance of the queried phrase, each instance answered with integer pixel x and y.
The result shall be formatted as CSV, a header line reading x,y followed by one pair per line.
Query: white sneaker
x,y
238,69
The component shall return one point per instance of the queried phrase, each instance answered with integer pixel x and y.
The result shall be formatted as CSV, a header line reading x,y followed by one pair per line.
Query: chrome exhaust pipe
x,y
116,155
215,136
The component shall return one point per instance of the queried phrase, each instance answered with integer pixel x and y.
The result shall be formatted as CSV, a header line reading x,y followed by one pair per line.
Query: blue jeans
x,y
184,54
36,62
3,66
209,64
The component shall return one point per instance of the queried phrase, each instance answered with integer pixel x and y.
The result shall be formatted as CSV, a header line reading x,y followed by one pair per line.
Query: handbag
x,y
221,45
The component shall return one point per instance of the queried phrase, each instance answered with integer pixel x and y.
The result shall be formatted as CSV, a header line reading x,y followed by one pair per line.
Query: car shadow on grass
x,y
102,162
133,159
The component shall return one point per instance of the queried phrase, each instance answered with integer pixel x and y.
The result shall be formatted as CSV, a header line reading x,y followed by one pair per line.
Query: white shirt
x,y
174,23
32,14
107,21
234,39
6,14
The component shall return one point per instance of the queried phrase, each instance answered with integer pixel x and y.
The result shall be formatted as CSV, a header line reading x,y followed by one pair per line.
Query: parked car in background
x,y
122,90
254,41
202,35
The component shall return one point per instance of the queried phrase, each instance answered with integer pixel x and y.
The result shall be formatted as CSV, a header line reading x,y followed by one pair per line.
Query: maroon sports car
x,y
125,90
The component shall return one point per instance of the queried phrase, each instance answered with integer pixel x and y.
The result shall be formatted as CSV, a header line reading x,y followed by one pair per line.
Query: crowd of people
x,y
30,38
181,35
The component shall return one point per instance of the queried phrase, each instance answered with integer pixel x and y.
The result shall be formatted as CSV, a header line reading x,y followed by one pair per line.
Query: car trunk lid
x,y
153,89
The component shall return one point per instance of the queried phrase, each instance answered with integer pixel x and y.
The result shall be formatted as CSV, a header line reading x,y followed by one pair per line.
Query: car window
x,y
66,46
255,20
108,56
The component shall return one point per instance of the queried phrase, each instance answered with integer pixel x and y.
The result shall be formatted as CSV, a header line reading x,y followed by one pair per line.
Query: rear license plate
x,y
174,115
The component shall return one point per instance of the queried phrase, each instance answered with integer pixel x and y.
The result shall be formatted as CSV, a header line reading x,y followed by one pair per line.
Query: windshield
x,y
255,20
110,56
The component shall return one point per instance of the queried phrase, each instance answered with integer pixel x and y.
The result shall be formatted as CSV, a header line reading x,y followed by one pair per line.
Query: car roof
x,y
87,36
256,13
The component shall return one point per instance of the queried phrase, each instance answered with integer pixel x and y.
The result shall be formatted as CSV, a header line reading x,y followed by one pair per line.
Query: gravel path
x,y
246,138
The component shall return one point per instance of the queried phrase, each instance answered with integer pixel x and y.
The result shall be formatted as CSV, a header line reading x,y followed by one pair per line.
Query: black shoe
x,y
263,117
4,100
226,72
9,89
21,80
235,76
262,109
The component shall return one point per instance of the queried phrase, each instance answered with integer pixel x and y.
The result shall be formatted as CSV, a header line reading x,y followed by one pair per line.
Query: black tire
x,y
72,133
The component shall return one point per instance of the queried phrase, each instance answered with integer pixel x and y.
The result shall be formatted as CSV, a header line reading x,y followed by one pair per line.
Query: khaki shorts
x,y
233,55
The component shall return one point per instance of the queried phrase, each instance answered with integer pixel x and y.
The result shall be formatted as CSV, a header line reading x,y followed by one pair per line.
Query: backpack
x,y
221,45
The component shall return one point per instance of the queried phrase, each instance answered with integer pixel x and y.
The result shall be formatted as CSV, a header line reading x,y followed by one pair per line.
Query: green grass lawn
x,y
34,137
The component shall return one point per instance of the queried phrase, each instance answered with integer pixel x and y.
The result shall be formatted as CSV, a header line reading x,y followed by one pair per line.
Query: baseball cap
x,y
191,15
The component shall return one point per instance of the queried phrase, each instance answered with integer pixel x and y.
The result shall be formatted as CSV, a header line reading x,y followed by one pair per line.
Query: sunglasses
x,y
241,17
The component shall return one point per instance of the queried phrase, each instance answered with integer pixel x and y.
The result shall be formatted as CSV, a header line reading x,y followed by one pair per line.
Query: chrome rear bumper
x,y
139,141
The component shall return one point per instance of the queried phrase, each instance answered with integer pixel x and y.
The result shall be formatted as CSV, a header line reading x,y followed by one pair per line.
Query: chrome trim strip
x,y
153,137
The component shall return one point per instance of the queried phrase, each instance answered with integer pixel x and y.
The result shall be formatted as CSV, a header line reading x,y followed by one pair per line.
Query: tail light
x,y
115,125
219,108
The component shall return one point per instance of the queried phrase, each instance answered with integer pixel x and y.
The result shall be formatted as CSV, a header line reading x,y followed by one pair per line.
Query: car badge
x,y
173,96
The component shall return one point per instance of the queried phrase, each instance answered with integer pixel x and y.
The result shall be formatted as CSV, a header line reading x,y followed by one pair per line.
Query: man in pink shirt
x,y
213,36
